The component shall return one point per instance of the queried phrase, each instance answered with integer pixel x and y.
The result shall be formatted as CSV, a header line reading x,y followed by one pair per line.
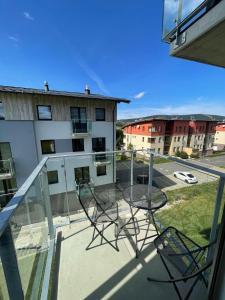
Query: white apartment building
x,y
35,123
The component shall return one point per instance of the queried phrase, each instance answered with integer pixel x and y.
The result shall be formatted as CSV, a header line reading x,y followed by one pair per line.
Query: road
x,y
216,161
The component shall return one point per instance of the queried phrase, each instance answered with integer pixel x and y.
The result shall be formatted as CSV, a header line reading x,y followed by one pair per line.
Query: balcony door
x,y
98,145
79,118
5,155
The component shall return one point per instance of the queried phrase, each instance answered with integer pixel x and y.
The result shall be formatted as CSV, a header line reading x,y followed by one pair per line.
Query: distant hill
x,y
200,117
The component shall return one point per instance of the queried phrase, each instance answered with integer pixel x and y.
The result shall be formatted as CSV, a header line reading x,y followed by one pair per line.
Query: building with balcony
x,y
169,136
198,31
220,137
35,123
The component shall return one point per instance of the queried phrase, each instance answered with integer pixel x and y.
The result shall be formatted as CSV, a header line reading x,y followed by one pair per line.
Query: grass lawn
x,y
160,160
193,212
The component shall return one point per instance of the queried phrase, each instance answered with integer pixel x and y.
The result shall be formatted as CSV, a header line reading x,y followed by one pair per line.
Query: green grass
x,y
160,160
193,212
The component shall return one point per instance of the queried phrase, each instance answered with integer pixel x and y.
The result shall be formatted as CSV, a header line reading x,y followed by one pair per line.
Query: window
x,y
175,139
160,139
2,113
152,129
44,112
174,149
53,177
78,145
100,114
5,151
158,150
178,138
82,175
48,146
151,140
79,119
98,144
101,170
143,139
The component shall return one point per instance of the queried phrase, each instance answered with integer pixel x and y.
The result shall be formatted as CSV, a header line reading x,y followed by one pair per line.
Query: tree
x,y
119,138
130,147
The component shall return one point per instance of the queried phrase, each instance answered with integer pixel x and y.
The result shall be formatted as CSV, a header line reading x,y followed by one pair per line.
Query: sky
x,y
113,46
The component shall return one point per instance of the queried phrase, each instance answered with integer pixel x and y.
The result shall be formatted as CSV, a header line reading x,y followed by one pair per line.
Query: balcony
x,y
6,169
81,128
195,30
42,248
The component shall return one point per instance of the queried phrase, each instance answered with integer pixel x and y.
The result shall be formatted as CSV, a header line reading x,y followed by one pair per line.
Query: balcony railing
x,y
102,158
180,14
6,169
81,127
27,233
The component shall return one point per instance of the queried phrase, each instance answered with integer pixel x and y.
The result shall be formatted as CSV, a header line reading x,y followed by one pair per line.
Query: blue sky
x,y
115,46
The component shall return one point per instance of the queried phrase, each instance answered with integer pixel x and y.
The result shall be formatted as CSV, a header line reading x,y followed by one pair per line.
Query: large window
x,y
44,112
79,118
78,145
82,175
48,146
101,170
100,114
2,112
98,144
53,177
5,151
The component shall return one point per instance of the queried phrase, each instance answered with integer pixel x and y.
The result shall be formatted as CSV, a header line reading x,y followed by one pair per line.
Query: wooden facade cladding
x,y
24,106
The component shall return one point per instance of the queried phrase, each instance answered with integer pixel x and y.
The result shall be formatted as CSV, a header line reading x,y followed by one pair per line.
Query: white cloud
x,y
198,106
13,38
139,95
28,16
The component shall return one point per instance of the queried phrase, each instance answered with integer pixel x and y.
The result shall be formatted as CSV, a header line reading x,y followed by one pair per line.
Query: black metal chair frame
x,y
149,218
193,255
95,220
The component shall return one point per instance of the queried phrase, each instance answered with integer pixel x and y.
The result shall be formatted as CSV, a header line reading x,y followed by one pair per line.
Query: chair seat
x,y
179,250
100,217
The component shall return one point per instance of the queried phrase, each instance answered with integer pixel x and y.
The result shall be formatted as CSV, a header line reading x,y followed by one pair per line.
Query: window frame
x,y
57,175
3,110
44,153
105,169
97,119
41,119
82,173
73,145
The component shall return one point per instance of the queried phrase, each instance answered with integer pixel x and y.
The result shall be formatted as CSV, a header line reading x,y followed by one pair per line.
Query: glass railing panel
x,y
81,126
176,11
123,168
190,205
30,235
3,285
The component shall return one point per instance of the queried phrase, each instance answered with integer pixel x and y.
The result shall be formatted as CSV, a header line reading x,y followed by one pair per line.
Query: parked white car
x,y
186,177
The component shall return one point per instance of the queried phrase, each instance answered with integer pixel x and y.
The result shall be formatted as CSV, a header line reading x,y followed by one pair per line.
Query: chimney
x,y
87,90
46,86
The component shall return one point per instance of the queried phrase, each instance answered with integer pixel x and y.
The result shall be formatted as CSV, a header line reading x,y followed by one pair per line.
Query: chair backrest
x,y
87,200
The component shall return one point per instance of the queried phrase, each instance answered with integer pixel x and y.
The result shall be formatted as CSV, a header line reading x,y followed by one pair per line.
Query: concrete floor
x,y
103,273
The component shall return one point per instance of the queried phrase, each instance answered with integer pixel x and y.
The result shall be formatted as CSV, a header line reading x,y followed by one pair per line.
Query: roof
x,y
22,90
194,117
184,118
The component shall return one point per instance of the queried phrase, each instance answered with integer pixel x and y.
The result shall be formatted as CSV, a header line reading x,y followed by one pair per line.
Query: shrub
x,y
194,155
177,153
123,156
183,155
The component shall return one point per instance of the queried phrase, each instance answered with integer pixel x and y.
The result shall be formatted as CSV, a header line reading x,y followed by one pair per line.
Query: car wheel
x,y
186,181
175,175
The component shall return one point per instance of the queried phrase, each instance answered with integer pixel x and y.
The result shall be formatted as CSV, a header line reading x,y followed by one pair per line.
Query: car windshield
x,y
190,175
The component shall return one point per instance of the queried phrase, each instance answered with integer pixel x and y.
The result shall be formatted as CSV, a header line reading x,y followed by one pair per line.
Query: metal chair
x,y
99,213
187,258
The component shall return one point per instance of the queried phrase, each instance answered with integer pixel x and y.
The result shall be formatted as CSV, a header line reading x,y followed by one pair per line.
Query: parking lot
x,y
163,177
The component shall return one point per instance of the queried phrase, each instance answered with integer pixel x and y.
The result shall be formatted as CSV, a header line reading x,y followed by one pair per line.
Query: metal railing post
x,y
132,168
67,198
218,202
10,265
47,203
150,169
